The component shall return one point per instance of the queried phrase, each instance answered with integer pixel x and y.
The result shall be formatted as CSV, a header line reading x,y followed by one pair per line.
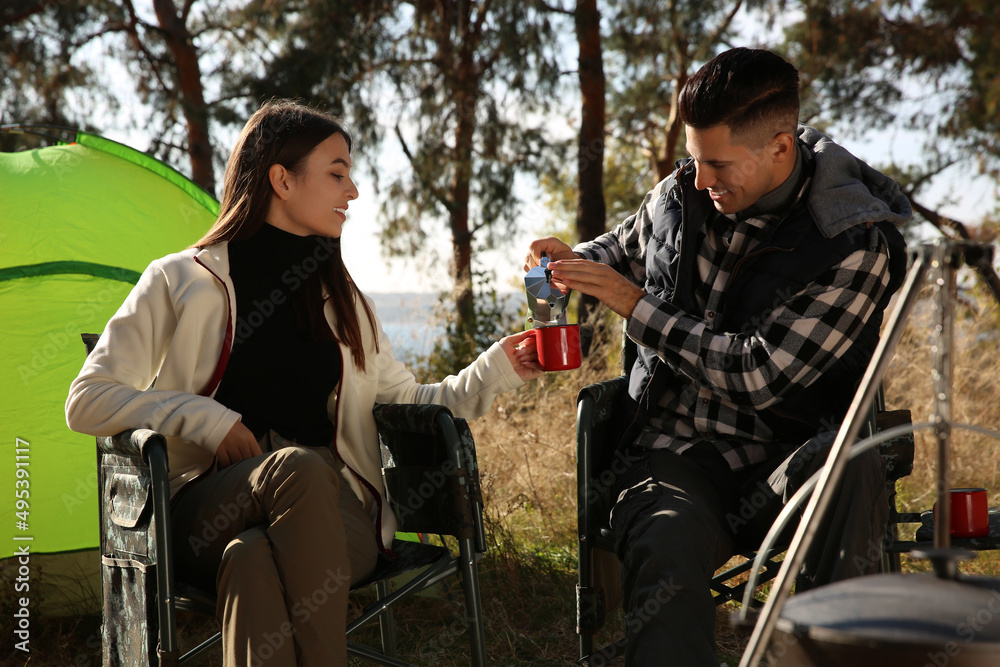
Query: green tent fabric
x,y
79,222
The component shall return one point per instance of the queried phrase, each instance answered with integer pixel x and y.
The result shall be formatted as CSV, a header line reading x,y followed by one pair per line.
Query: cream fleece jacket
x,y
160,358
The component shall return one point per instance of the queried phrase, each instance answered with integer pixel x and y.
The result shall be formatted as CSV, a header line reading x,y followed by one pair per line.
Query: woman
x,y
267,362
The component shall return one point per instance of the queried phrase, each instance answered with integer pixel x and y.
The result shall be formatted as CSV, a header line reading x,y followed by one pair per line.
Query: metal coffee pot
x,y
546,302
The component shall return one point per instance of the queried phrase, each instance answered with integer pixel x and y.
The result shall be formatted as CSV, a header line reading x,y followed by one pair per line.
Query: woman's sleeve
x,y
467,394
114,391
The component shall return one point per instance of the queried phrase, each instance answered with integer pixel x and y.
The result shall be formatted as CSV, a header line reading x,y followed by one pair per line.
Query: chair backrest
x,y
597,432
90,341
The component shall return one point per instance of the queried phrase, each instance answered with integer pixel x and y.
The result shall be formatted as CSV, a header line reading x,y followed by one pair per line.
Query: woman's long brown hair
x,y
286,132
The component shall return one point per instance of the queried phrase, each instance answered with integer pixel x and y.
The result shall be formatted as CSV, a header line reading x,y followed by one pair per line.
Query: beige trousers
x,y
281,537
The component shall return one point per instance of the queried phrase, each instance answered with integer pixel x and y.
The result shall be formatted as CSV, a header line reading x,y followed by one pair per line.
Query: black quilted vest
x,y
793,255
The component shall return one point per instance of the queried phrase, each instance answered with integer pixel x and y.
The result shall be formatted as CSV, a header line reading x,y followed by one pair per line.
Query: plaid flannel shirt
x,y
804,335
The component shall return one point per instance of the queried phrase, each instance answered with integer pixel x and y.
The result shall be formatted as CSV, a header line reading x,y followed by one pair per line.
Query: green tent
x,y
79,221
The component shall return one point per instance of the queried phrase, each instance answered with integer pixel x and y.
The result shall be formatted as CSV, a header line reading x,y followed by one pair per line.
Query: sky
x,y
375,272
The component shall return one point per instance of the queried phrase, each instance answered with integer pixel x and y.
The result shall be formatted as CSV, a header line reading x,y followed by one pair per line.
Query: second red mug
x,y
970,513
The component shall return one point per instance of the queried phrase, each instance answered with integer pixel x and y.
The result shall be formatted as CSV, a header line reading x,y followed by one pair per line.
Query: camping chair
x,y
431,474
598,465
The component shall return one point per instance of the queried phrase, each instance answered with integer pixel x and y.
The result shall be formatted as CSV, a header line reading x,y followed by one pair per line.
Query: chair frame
x,y
145,452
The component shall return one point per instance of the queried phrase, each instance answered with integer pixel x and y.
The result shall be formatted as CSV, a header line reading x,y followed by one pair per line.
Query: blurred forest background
x,y
573,100
576,101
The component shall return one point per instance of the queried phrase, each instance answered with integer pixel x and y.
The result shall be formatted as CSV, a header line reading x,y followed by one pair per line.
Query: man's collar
x,y
778,200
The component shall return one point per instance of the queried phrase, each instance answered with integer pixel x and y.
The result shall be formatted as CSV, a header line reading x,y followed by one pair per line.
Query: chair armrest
x,y
405,429
603,398
410,417
133,442
896,453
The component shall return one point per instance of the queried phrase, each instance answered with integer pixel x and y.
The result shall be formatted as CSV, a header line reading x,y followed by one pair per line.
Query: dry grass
x,y
975,458
527,452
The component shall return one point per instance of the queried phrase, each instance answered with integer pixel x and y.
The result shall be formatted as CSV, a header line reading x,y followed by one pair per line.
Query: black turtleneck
x,y
277,376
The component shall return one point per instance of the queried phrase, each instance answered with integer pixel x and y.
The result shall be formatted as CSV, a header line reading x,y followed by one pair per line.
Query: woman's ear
x,y
281,181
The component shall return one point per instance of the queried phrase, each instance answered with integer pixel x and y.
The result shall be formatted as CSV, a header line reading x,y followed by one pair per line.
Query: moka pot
x,y
546,302
557,342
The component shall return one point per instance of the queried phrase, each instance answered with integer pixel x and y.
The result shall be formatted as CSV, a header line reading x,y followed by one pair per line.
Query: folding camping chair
x,y
431,457
598,465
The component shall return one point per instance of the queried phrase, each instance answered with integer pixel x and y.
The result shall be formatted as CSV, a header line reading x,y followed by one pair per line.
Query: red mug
x,y
558,347
970,514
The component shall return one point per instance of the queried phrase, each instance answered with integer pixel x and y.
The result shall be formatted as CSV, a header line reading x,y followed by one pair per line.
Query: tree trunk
x,y
192,92
590,210
665,163
466,98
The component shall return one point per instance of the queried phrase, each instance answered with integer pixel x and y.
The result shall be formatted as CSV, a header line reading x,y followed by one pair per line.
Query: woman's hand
x,y
238,444
520,350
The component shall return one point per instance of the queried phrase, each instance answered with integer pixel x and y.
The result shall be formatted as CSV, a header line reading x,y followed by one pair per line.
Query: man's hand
x,y
238,444
552,247
599,281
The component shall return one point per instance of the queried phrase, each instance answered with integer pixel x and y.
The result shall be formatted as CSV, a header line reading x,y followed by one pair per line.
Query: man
x,y
753,280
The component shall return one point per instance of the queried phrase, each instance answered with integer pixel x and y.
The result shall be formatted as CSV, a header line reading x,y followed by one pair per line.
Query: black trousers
x,y
679,518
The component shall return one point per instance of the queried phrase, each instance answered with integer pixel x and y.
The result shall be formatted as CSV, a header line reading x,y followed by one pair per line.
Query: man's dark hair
x,y
752,91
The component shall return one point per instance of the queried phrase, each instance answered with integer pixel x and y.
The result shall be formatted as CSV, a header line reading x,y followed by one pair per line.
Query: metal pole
x,y
945,259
